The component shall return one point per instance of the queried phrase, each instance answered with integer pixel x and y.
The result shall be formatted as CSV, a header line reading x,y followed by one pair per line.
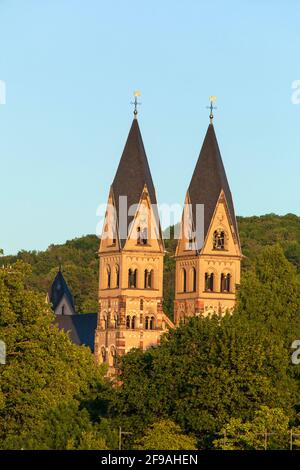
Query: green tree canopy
x,y
165,435
269,429
45,376
214,369
80,262
270,294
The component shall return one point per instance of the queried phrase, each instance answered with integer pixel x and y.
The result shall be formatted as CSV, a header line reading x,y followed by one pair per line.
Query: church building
x,y
131,260
80,326
208,253
60,296
131,256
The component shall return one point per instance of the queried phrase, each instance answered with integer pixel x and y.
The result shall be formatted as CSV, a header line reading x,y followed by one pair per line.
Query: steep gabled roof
x,y
58,289
81,327
133,173
208,179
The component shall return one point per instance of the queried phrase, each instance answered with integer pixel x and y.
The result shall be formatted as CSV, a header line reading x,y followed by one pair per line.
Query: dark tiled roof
x,y
208,179
133,172
82,327
58,289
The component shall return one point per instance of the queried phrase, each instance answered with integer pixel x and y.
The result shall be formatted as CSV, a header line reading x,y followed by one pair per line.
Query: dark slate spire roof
x,y
81,327
208,179
58,289
133,172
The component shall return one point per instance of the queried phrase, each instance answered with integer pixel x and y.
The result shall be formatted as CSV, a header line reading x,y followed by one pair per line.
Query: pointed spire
x,y
209,179
58,289
133,172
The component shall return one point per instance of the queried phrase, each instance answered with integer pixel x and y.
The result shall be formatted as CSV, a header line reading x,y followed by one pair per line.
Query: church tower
x,y
131,256
208,253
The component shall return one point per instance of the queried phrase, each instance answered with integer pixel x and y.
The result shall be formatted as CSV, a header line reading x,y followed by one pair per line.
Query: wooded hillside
x,y
80,262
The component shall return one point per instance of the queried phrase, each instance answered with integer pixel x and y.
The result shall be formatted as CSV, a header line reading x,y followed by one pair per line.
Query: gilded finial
x,y
136,94
212,100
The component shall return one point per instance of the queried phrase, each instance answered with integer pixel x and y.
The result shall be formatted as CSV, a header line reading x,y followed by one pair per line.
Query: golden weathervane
x,y
212,100
136,95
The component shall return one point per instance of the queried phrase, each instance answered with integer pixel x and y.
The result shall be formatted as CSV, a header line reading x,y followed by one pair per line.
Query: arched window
x,y
116,319
128,321
219,240
194,279
190,240
105,321
133,322
63,310
113,230
108,271
151,323
225,282
209,282
183,274
132,276
138,235
228,282
147,323
117,272
113,355
152,278
148,279
103,354
142,236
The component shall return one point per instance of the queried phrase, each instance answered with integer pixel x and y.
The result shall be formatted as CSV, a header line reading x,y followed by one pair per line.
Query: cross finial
x,y
136,94
212,99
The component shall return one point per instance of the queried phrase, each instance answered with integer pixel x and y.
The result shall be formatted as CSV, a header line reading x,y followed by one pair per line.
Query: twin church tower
x,y
131,253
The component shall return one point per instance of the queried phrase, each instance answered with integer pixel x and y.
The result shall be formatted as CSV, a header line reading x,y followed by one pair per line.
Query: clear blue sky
x,y
70,68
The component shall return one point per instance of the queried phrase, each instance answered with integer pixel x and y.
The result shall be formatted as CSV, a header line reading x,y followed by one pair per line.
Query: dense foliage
x,y
47,382
225,383
213,370
165,435
269,429
80,262
258,232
